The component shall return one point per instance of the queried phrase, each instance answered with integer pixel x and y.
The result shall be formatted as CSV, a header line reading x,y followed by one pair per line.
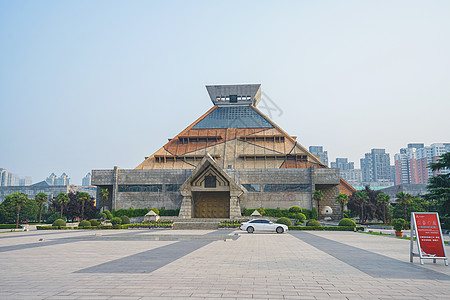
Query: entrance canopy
x,y
210,193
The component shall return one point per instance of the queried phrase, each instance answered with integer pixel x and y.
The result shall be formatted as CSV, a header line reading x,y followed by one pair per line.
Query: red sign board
x,y
429,236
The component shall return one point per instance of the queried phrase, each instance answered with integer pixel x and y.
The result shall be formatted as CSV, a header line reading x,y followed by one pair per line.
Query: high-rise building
x,y
343,164
10,179
86,181
416,145
51,179
375,166
411,164
62,180
318,151
3,177
26,181
54,180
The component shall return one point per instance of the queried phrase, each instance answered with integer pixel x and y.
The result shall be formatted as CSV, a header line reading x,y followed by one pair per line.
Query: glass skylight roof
x,y
233,117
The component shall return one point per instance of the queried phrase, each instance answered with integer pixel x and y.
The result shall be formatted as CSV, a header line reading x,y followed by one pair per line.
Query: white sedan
x,y
263,225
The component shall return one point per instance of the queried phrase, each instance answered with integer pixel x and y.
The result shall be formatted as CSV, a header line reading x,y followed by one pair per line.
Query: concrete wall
x,y
325,179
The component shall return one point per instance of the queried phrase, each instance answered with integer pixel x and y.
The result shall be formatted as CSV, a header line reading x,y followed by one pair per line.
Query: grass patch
x,y
375,233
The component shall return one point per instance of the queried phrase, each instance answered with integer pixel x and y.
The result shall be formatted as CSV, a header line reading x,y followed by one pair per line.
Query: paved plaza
x,y
195,264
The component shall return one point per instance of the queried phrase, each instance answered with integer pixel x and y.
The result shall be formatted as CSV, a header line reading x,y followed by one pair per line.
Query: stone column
x,y
235,207
186,208
115,188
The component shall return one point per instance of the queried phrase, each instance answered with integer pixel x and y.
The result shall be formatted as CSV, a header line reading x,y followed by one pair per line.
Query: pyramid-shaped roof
x,y
236,134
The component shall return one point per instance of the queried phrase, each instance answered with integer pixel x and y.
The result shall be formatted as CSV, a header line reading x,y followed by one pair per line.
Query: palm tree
x,y
361,198
104,193
318,196
383,200
19,199
62,199
404,200
342,199
83,197
41,198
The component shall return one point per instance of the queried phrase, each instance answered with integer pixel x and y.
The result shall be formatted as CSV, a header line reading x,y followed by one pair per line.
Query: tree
x,y
83,197
28,210
41,198
383,200
439,185
361,198
104,193
19,199
318,196
404,199
342,199
62,199
417,205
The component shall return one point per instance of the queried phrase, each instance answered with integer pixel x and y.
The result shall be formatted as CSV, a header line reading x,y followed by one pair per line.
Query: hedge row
x,y
327,228
8,226
230,224
276,213
152,224
140,212
81,227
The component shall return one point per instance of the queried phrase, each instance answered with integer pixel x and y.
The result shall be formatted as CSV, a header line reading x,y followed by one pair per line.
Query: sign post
x,y
425,227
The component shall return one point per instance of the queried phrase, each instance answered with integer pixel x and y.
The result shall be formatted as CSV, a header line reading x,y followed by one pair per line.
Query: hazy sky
x,y
93,84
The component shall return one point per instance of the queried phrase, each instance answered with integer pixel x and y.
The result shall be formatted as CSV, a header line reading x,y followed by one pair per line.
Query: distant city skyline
x,y
92,85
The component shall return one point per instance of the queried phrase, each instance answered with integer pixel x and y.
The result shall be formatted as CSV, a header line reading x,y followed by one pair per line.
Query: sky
x,y
95,84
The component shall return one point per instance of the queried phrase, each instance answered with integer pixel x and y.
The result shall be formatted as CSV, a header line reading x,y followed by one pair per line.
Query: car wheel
x,y
279,230
250,229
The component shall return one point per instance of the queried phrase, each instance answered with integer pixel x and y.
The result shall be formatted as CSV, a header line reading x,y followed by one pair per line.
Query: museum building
x,y
232,157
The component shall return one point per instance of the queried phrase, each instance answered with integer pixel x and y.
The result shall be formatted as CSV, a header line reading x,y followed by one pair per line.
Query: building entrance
x,y
211,204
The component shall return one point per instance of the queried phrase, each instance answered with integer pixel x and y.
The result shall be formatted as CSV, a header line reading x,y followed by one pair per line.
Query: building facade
x,y
61,180
318,151
232,157
375,167
11,179
411,164
86,181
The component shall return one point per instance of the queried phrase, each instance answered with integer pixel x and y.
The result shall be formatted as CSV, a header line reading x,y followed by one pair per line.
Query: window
x,y
173,187
252,187
233,117
141,188
210,181
287,188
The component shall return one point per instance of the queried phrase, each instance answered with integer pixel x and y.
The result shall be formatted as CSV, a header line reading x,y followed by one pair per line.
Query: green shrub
x,y
313,222
155,210
295,209
300,217
102,216
116,221
398,224
298,224
314,213
327,228
169,212
53,217
53,228
285,221
125,220
307,213
109,216
59,223
8,226
347,222
84,223
94,222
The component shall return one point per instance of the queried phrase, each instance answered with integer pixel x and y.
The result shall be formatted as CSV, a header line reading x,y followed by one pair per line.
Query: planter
x,y
398,233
